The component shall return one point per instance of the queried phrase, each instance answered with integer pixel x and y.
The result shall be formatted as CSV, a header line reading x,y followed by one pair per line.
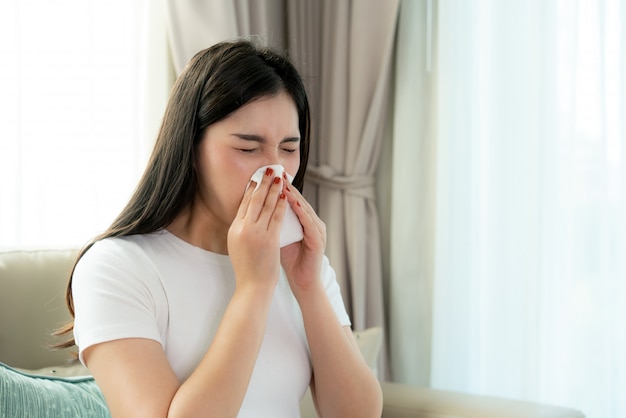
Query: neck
x,y
200,229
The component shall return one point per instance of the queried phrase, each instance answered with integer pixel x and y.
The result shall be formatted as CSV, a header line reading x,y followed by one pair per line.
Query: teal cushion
x,y
28,395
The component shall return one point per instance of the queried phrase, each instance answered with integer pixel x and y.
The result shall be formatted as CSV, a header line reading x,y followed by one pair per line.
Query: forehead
x,y
278,110
273,118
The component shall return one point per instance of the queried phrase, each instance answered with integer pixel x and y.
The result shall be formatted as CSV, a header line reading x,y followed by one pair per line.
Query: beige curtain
x,y
304,28
346,60
195,25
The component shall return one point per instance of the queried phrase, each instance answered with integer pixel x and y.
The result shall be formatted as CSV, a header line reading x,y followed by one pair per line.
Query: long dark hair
x,y
216,82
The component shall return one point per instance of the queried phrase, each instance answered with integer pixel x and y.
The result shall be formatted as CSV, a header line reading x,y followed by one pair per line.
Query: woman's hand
x,y
302,260
342,384
253,237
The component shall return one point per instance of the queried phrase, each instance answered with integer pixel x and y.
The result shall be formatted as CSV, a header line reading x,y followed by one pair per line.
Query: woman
x,y
187,306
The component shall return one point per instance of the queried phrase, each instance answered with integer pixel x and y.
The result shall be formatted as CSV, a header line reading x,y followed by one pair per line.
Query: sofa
x,y
38,381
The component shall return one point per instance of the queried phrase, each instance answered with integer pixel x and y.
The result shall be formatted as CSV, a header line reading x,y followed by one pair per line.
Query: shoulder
x,y
114,251
116,259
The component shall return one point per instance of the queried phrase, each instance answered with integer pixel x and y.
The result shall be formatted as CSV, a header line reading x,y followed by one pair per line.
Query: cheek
x,y
228,192
235,178
223,180
228,169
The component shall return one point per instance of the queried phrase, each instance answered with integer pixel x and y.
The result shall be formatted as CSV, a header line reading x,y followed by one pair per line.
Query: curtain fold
x,y
304,26
356,55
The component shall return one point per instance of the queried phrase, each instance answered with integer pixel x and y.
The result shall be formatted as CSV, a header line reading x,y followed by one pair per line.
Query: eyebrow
x,y
260,139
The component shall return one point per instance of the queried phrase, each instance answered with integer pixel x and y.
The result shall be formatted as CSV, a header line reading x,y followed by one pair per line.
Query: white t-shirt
x,y
160,287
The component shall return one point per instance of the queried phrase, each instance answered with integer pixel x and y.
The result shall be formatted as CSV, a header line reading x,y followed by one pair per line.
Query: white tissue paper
x,y
291,230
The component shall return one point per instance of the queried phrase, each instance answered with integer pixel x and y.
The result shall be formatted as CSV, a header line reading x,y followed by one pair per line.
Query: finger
x,y
245,201
304,211
278,215
271,200
295,198
259,196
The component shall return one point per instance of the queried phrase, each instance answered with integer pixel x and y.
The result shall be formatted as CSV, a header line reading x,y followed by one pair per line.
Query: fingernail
x,y
269,171
298,203
287,188
276,180
282,196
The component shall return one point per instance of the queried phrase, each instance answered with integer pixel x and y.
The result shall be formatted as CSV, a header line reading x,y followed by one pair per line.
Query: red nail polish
x,y
282,196
276,180
287,188
269,171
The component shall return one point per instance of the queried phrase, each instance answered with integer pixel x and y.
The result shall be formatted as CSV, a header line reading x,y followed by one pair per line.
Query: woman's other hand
x,y
302,260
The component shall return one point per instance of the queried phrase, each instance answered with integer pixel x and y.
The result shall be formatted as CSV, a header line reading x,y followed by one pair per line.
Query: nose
x,y
273,157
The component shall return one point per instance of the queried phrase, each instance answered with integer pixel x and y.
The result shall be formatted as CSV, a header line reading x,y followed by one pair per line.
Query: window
x,y
73,141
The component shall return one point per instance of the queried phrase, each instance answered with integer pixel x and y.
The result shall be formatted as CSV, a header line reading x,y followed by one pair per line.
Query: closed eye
x,y
259,139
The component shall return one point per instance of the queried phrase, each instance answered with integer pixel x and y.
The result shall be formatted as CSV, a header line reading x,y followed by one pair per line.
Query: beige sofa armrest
x,y
32,306
407,401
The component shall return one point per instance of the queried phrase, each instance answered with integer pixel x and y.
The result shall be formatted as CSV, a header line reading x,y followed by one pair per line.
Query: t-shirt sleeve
x,y
116,292
333,291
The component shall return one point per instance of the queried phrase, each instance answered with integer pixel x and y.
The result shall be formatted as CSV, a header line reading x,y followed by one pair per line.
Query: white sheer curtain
x,y
406,186
83,86
529,242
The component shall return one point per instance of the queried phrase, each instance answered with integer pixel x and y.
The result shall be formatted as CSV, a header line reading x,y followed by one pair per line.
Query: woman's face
x,y
263,132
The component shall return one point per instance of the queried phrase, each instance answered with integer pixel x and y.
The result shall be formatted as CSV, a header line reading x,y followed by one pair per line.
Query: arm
x,y
135,375
343,384
137,379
